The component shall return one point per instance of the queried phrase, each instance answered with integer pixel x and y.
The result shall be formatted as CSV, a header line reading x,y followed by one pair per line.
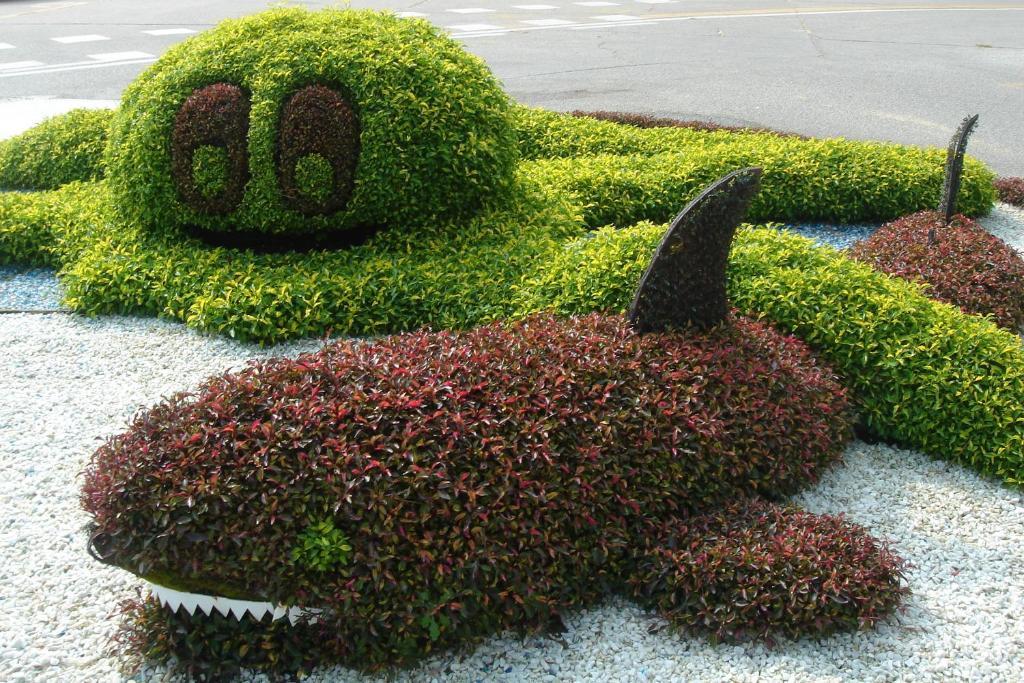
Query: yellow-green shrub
x,y
59,150
625,174
446,275
427,122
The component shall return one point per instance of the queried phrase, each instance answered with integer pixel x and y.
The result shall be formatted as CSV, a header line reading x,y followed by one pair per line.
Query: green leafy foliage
x,y
434,138
965,266
752,570
624,178
210,170
1010,190
314,177
52,228
60,150
480,480
446,275
322,547
922,373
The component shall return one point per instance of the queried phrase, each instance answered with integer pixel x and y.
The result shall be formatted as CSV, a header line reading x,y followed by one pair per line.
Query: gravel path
x,y
66,381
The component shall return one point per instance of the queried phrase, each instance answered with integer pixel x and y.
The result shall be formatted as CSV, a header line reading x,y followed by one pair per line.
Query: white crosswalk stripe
x,y
119,56
6,46
91,38
8,66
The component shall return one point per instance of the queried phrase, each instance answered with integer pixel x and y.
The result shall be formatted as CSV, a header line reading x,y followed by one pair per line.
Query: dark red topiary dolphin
x,y
404,494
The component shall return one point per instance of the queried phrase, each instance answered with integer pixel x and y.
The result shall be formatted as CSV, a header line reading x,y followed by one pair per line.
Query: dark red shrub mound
x,y
754,570
431,488
645,121
318,121
967,266
216,116
1010,190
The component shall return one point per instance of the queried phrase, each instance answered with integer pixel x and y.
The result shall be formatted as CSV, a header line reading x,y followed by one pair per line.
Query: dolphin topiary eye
x,y
209,148
318,149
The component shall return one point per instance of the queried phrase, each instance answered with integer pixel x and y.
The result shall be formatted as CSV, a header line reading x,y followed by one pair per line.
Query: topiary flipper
x,y
60,150
756,570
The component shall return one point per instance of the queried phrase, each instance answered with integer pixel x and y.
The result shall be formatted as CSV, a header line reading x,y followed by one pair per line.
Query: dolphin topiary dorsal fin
x,y
684,285
955,166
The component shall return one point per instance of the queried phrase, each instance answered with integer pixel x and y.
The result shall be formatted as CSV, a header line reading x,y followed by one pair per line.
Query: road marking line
x,y
5,66
119,56
6,46
548,22
471,10
406,15
618,17
596,4
170,31
534,7
486,30
91,38
74,66
592,26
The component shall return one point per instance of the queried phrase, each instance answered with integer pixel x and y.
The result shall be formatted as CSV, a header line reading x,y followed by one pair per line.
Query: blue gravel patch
x,y
29,289
835,236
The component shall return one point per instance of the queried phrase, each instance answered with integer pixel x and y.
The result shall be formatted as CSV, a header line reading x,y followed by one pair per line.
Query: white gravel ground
x,y
67,381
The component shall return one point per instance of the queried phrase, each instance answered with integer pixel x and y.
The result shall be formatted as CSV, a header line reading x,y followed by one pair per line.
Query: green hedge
x,y
434,135
52,228
628,177
448,275
59,150
923,374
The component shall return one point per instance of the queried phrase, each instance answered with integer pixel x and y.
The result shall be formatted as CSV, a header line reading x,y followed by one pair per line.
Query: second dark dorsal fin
x,y
684,285
955,167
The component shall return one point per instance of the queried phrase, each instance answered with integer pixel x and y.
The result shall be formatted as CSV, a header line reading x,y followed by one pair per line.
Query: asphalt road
x,y
906,72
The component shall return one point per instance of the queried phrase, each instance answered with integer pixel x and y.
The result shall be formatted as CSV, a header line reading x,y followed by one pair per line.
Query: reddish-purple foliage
x,y
484,479
1010,190
216,115
966,266
756,570
318,120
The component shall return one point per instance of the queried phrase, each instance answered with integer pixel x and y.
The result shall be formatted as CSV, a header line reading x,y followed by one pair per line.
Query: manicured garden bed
x,y
346,197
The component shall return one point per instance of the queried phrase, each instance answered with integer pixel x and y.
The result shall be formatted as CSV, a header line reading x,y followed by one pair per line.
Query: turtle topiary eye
x,y
318,149
209,148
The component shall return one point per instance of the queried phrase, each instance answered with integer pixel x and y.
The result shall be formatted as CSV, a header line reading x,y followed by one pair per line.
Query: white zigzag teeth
x,y
174,600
